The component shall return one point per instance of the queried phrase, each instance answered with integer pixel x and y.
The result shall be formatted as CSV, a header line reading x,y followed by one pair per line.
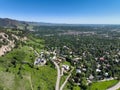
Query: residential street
x,y
63,85
58,75
117,86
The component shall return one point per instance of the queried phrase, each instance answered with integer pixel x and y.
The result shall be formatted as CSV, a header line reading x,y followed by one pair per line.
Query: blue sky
x,y
62,11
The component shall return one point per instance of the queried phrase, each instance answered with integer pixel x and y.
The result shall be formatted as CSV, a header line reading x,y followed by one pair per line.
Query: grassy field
x,y
102,85
95,86
36,43
42,79
63,78
16,75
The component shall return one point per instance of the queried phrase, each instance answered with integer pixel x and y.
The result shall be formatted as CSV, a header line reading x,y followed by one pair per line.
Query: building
x,y
40,61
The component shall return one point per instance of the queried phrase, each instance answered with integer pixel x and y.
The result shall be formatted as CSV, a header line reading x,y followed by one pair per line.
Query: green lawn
x,y
102,85
66,63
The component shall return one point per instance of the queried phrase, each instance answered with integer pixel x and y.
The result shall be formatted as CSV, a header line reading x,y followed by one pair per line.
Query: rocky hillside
x,y
8,40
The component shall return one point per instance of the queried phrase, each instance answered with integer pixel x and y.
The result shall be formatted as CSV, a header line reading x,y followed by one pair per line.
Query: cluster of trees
x,y
89,49
98,55
56,29
92,52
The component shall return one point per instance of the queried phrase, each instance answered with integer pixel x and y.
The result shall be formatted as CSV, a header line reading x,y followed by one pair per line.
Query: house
x,y
98,65
66,67
41,54
89,81
84,69
54,57
78,71
119,53
71,52
98,70
96,58
58,59
91,77
40,61
75,60
101,58
65,47
116,60
106,74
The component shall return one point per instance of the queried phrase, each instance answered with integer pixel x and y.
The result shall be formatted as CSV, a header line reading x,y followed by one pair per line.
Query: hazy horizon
x,y
62,11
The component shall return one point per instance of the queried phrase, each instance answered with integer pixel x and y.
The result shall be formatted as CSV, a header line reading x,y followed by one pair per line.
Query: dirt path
x,y
30,81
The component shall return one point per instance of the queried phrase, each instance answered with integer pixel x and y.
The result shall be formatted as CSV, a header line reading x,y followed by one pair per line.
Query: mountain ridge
x,y
19,24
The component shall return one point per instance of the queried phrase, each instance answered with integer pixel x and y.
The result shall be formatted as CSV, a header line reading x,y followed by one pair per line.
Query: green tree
x,y
76,88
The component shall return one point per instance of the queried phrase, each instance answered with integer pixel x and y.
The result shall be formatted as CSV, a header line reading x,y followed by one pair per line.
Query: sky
x,y
62,11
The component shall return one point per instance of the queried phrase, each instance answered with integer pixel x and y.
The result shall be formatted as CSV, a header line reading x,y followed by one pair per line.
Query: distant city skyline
x,y
62,11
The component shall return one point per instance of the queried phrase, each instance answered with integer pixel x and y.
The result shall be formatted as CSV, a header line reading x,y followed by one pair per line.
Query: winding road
x,y
115,87
58,75
63,85
58,71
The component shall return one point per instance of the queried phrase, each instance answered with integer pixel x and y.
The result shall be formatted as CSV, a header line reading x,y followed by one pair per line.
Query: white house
x,y
78,71
66,67
40,61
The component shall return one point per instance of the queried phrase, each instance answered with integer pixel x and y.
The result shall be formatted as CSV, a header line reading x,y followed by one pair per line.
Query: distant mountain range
x,y
11,23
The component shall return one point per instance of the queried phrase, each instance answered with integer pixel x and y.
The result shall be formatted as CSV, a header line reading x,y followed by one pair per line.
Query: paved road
x,y
58,75
63,85
117,86
58,71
